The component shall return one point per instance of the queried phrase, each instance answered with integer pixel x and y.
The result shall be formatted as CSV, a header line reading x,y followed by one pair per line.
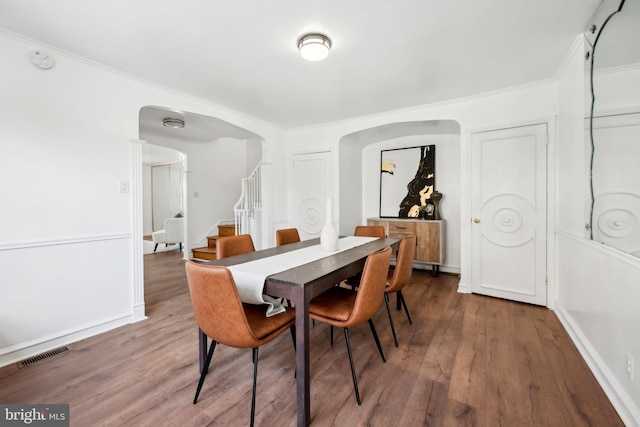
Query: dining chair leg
x,y
393,329
205,369
331,333
353,369
404,304
255,380
375,337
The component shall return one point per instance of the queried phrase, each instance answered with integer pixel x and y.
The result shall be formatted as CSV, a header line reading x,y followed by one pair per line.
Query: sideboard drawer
x,y
401,227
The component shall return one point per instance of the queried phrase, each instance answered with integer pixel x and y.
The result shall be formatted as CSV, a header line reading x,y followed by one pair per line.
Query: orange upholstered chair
x,y
224,318
400,277
365,231
286,236
234,245
370,231
345,308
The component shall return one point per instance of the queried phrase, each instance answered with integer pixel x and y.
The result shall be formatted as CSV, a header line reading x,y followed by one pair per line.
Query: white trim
x,y
602,248
26,244
576,46
137,289
21,351
620,399
138,313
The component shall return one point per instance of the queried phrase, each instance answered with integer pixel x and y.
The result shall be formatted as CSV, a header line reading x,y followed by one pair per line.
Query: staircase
x,y
250,203
246,216
209,252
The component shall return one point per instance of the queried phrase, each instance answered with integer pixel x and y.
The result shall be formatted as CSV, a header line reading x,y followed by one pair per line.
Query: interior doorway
x,y
163,192
509,211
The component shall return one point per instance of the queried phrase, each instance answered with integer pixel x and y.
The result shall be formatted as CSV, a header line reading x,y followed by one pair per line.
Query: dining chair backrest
x,y
287,235
371,291
404,265
217,306
234,245
370,231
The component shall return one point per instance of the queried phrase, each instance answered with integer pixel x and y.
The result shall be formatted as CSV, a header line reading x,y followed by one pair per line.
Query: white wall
x,y
598,288
214,174
68,135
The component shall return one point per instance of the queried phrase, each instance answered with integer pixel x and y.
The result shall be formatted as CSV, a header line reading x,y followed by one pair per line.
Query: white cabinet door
x,y
508,207
312,185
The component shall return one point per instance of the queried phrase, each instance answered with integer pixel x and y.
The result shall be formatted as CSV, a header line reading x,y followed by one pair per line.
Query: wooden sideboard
x,y
430,238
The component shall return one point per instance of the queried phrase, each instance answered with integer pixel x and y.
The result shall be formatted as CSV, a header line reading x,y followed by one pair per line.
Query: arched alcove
x,y
359,172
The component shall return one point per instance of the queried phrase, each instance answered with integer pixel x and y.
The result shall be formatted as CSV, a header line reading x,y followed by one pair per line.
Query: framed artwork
x,y
407,181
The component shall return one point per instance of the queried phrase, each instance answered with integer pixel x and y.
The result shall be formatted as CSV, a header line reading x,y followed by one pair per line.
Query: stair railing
x,y
250,200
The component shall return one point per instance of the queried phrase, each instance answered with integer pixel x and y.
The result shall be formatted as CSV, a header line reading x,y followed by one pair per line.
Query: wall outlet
x,y
630,366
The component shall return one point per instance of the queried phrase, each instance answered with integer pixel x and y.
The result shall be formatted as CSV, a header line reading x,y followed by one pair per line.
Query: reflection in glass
x,y
166,185
614,127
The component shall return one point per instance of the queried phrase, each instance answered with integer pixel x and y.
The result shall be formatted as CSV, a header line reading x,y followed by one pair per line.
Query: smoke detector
x,y
41,59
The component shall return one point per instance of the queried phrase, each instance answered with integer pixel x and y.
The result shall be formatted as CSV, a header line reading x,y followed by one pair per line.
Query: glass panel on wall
x,y
166,185
613,128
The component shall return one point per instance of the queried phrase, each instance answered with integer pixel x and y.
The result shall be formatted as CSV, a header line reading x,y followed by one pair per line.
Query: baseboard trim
x,y
463,288
620,399
21,351
138,313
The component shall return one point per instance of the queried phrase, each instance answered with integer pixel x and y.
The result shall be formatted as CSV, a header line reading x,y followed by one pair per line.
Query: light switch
x,y
124,186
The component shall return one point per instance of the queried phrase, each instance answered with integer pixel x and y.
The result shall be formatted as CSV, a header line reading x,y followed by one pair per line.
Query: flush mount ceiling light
x,y
314,46
173,123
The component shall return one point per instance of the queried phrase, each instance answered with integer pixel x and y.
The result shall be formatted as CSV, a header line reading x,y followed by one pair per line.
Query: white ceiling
x,y
241,54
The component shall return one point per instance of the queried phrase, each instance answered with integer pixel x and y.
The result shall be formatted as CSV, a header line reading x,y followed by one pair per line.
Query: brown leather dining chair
x,y
370,231
399,277
224,318
346,308
234,245
365,231
287,235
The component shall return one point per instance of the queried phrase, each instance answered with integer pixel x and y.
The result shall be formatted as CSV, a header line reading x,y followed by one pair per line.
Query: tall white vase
x,y
329,235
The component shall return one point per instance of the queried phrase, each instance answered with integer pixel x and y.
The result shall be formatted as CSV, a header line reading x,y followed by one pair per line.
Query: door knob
x,y
476,220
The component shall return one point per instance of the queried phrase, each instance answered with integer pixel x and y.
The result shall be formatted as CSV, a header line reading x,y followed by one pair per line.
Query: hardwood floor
x,y
466,360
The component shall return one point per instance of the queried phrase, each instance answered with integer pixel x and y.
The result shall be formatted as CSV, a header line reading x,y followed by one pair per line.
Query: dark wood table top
x,y
331,265
314,270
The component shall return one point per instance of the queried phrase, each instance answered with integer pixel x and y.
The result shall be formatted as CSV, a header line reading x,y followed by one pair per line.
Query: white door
x,y
509,210
312,185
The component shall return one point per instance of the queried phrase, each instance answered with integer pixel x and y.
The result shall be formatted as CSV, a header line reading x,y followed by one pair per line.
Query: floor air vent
x,y
42,356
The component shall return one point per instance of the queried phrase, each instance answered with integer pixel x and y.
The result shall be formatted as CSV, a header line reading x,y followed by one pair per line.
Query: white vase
x,y
329,235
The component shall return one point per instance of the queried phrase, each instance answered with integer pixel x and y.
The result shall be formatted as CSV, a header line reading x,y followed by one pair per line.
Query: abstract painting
x,y
407,180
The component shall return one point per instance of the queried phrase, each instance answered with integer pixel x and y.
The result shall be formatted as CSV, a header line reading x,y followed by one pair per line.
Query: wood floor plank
x,y
469,372
537,378
505,403
465,360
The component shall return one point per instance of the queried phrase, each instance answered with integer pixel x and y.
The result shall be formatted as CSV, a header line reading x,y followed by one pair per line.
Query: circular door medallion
x,y
310,212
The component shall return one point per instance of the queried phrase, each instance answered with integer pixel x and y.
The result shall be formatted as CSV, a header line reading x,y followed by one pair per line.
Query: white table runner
x,y
250,276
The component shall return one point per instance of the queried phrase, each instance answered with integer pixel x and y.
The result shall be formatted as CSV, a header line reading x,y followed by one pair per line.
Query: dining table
x,y
299,285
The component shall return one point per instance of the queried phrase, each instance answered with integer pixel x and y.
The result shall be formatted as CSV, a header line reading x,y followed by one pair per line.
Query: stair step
x,y
211,241
204,253
227,230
